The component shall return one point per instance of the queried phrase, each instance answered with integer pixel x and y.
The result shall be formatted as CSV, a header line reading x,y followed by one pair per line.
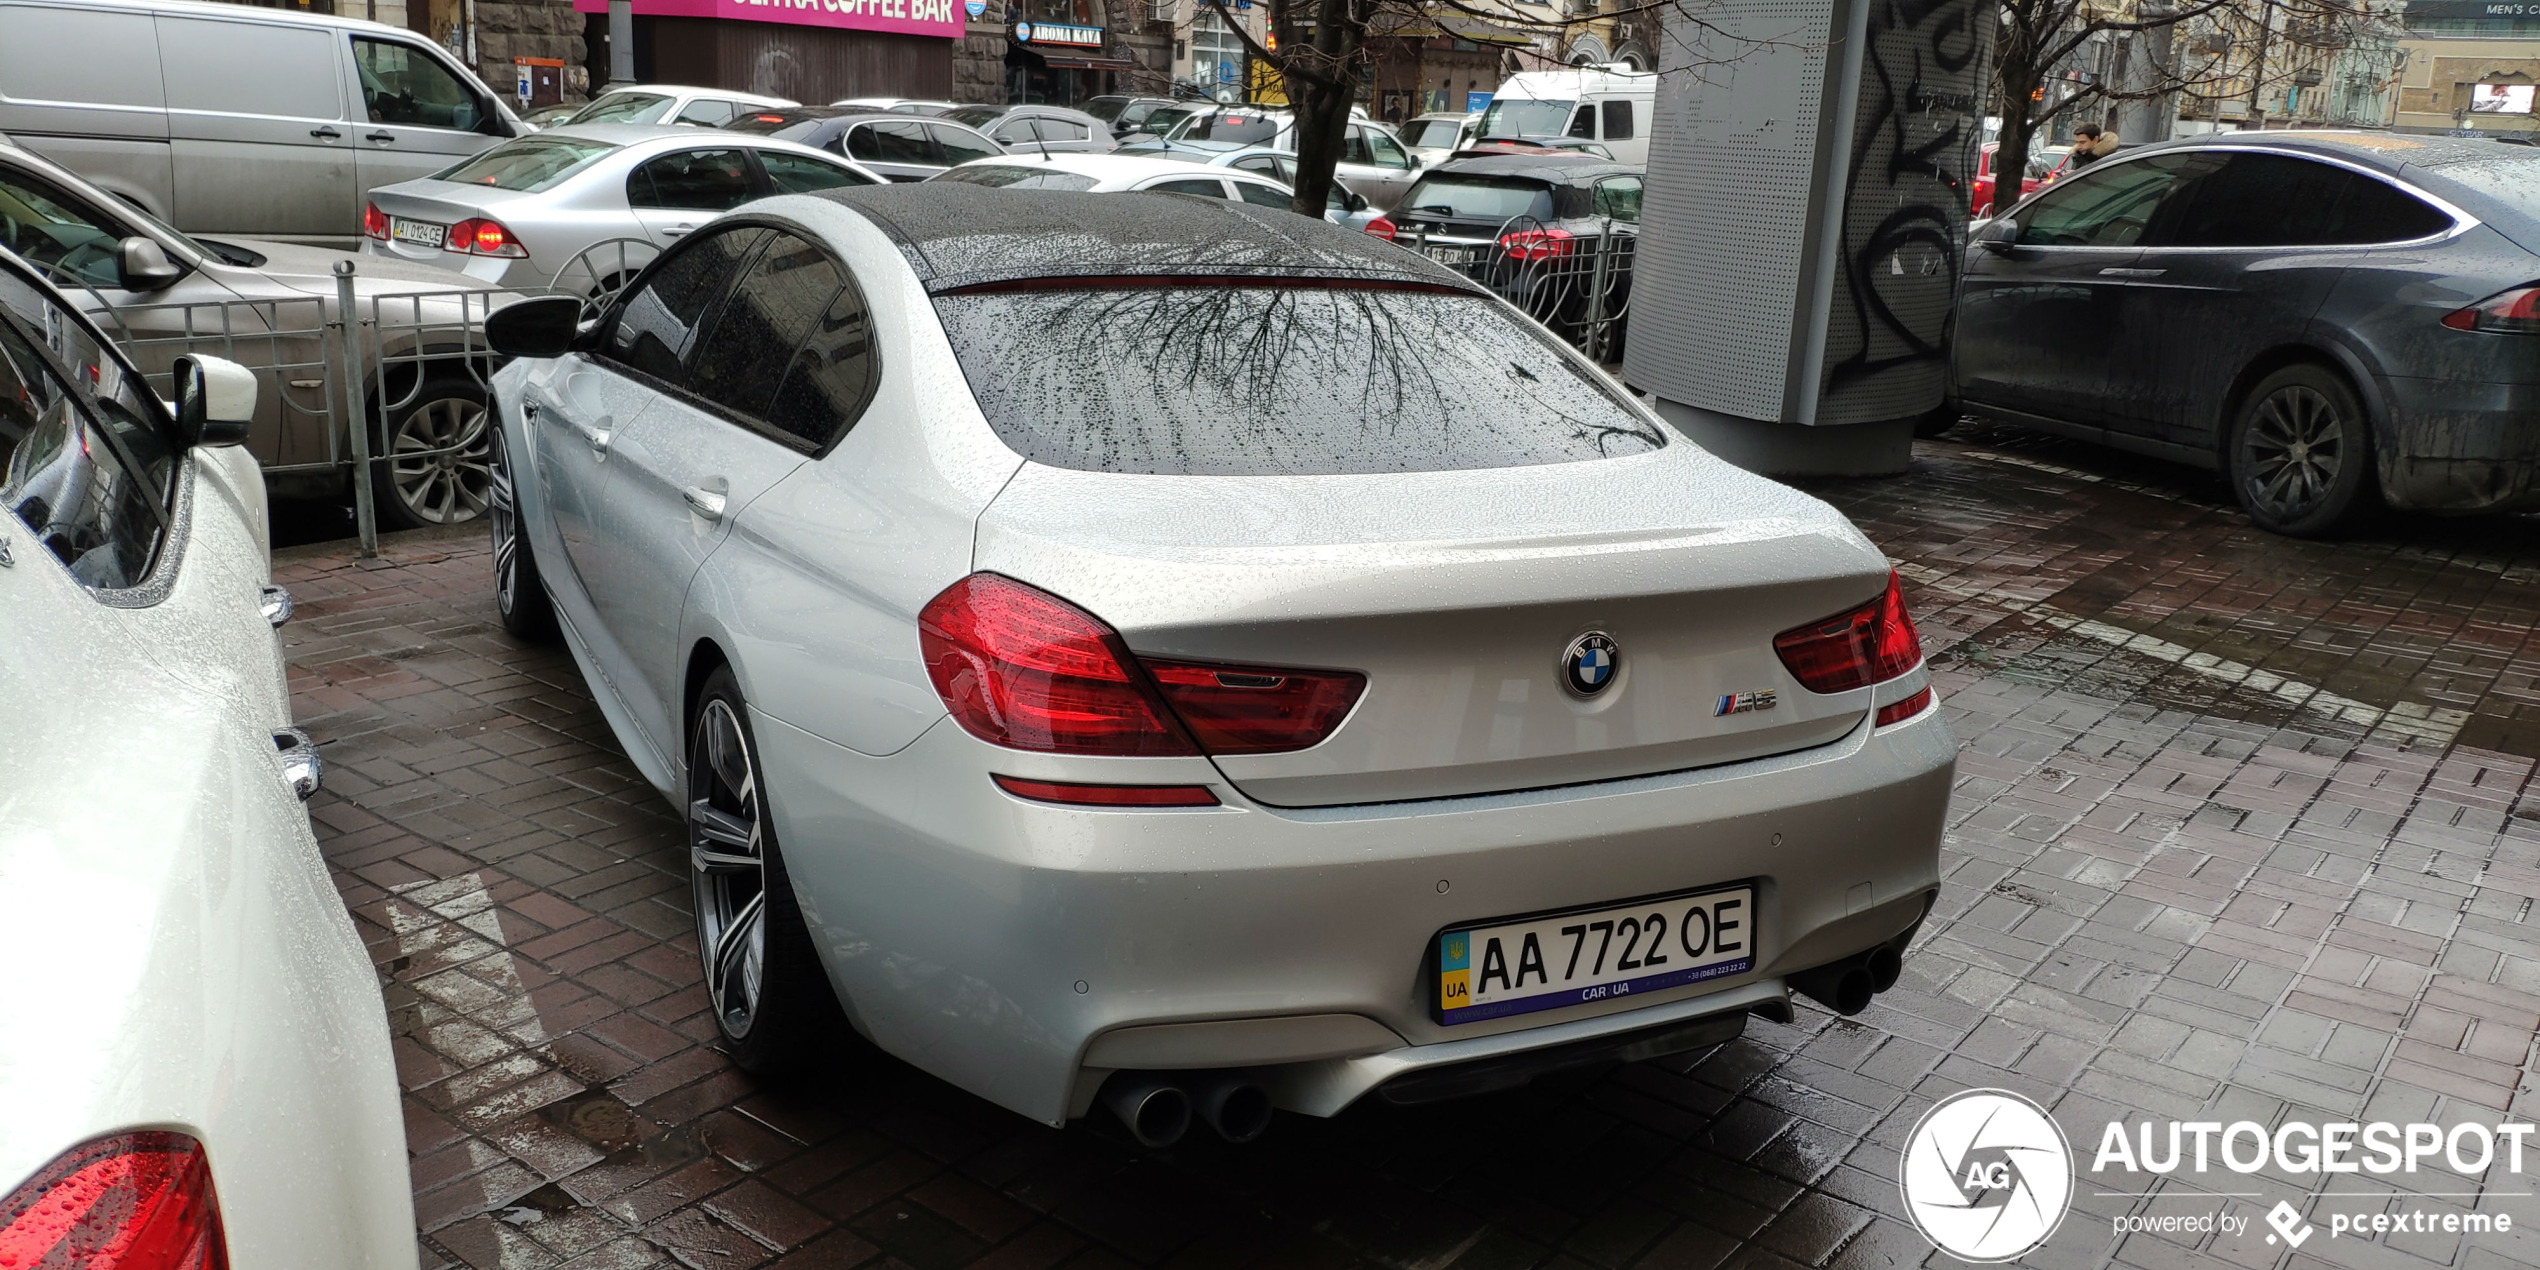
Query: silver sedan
x,y
583,206
1354,690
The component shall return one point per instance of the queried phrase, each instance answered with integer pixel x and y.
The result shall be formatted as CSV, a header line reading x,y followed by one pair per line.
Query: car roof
x,y
963,235
2386,151
1101,167
1566,166
294,17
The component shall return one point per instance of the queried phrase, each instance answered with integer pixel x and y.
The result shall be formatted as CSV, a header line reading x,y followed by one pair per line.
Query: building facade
x,y
2469,65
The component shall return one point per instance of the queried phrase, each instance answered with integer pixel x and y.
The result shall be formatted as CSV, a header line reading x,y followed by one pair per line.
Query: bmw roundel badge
x,y
1591,664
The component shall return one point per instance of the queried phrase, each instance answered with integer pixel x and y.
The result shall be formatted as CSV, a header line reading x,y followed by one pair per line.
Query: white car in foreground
x,y
194,1060
1191,658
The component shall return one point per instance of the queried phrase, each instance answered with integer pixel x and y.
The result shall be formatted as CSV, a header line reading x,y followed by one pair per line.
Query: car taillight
x,y
1536,244
1254,709
1900,711
1077,794
1856,648
480,237
2515,312
1381,228
374,222
135,1201
1020,667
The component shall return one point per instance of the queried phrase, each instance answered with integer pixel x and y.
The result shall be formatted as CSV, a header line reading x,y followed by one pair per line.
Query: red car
x,y
2045,163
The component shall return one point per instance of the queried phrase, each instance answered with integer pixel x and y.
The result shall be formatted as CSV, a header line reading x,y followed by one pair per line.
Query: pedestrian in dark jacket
x,y
2091,143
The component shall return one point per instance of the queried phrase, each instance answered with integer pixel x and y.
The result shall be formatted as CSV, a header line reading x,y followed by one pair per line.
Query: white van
x,y
1610,104
231,119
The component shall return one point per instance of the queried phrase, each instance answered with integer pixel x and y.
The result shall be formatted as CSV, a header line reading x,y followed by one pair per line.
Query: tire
x,y
448,427
2300,453
772,1000
520,591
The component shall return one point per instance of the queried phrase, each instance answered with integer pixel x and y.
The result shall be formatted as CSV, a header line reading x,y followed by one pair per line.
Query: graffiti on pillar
x,y
1906,194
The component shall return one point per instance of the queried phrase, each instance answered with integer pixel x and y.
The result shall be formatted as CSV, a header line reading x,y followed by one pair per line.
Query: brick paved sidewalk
x,y
2245,829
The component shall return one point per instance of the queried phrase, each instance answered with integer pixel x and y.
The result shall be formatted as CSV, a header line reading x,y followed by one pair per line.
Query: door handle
x,y
673,231
326,134
2115,272
529,411
706,503
597,437
378,136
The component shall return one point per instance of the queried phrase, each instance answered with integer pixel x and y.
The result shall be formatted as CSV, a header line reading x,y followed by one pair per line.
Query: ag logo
x,y
1987,1175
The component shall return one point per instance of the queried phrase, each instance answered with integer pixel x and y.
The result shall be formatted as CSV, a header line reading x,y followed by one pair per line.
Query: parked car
x,y
1031,129
233,119
524,214
165,294
673,103
1533,228
550,116
2044,164
1432,139
1485,146
2324,317
1123,114
992,665
1612,104
1122,173
211,1086
898,105
1373,162
894,146
1345,207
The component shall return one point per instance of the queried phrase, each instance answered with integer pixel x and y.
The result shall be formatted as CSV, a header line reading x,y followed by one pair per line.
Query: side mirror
x,y
215,400
541,327
1999,235
1357,202
141,265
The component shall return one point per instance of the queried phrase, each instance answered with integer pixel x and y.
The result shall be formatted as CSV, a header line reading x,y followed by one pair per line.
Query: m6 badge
x,y
1745,702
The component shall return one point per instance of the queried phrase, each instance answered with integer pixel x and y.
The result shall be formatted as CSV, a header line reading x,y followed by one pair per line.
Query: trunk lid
x,y
1457,594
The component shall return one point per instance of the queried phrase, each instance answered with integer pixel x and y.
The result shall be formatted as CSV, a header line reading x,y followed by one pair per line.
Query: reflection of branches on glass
x,y
1230,380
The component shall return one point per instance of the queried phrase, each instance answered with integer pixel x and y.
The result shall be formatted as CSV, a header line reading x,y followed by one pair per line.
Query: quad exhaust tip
x,y
1157,1108
1846,986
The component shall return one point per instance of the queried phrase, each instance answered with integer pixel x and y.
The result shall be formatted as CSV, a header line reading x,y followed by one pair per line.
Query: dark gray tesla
x,y
2322,316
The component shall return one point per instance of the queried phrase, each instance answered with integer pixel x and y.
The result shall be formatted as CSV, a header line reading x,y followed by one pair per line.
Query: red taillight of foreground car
x,y
1020,667
2515,312
1078,794
1381,228
1254,709
374,222
1854,649
1900,711
1537,244
480,237
135,1201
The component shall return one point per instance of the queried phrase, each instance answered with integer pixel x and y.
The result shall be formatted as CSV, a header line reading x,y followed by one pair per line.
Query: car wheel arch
x,y
705,656
2325,354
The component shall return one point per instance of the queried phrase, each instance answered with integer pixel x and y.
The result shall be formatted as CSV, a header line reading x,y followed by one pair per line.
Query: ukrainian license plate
x,y
1544,963
420,233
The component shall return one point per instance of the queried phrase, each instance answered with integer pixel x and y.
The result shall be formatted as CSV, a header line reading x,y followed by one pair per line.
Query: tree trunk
x,y
1322,81
2014,81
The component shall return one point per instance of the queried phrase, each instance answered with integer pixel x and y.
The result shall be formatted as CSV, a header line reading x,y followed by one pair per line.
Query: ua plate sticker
x,y
1544,963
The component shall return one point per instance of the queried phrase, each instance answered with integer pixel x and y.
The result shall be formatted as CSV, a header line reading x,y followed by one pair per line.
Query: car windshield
x,y
1163,120
1104,108
1012,177
976,116
625,108
1480,197
1432,134
2513,180
1240,127
1525,118
1321,381
529,163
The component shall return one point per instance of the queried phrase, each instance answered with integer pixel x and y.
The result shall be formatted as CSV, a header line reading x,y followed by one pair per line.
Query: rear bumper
x,y
1024,951
2462,446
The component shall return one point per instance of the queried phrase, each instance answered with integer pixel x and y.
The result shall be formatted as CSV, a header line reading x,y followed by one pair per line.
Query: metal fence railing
x,y
1575,280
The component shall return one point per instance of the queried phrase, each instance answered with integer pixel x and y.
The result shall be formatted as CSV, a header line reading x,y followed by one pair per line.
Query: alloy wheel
x,y
2292,451
501,520
730,867
438,460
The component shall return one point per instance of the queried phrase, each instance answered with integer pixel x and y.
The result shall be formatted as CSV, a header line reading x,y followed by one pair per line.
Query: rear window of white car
x,y
1311,380
530,163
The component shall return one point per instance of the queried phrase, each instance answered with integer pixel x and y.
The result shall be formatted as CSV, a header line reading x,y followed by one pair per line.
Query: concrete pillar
x,y
1807,204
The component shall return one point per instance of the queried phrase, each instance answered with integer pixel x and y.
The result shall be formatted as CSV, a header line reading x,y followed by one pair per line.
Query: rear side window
x,y
708,112
1480,197
696,180
1326,382
1618,120
831,375
658,322
1204,189
1265,196
960,145
2275,200
780,297
530,164
802,174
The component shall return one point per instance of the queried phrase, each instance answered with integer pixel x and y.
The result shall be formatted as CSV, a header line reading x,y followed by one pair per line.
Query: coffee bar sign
x,y
907,17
